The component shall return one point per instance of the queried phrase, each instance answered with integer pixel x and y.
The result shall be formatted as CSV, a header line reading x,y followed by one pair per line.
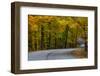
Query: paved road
x,y
51,54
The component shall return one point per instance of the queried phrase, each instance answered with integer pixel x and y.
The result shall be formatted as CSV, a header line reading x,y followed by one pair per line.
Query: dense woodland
x,y
56,32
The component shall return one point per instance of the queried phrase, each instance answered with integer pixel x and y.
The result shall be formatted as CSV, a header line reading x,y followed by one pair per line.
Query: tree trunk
x,y
66,35
42,36
55,41
49,40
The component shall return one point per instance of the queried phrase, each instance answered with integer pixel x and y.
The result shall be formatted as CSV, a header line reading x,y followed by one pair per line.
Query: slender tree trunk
x,y
42,36
55,41
76,37
49,40
86,46
35,41
30,43
66,35
49,35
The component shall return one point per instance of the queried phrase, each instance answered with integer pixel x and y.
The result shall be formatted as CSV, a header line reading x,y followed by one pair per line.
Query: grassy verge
x,y
80,53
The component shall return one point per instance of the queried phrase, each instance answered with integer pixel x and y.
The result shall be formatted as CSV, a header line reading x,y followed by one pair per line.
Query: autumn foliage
x,y
56,32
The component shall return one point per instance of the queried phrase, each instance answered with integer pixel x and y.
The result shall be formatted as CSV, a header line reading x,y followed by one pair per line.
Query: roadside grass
x,y
80,53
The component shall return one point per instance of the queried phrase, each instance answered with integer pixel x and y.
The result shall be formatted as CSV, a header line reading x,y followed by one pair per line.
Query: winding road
x,y
52,54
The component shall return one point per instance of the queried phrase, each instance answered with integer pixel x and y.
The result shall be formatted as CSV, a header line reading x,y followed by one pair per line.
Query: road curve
x,y
52,54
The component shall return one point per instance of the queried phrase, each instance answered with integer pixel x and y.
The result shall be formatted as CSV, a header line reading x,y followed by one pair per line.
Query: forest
x,y
56,32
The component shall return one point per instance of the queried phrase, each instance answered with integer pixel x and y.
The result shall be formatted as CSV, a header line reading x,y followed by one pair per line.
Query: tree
x,y
53,32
